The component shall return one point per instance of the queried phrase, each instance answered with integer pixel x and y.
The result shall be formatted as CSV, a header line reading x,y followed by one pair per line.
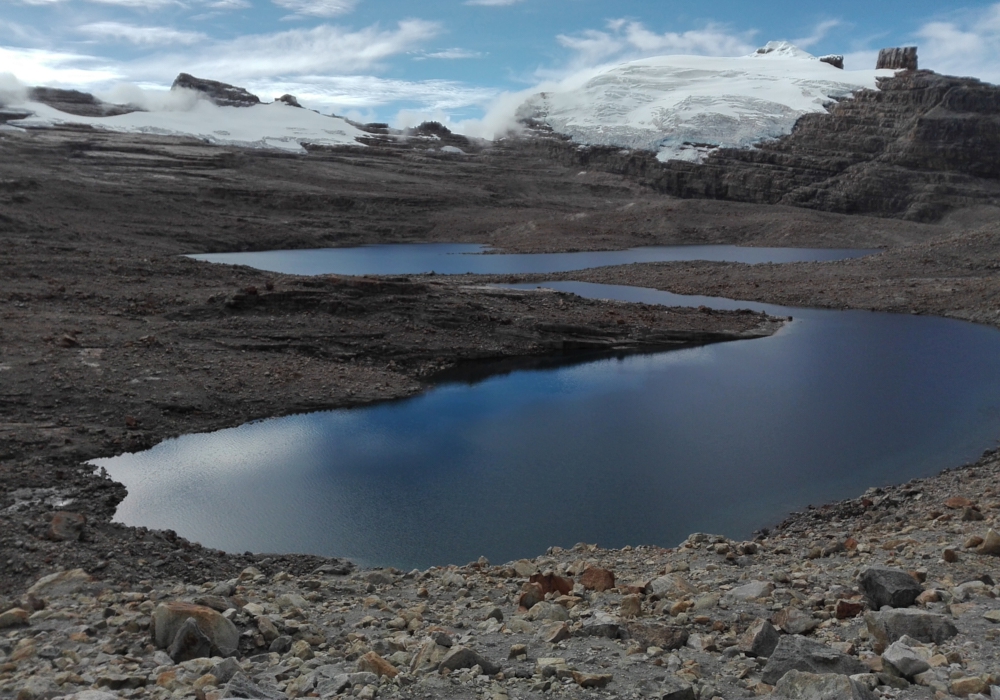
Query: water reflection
x,y
644,449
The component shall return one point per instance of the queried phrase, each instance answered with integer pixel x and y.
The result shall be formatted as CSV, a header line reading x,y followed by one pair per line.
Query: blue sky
x,y
449,59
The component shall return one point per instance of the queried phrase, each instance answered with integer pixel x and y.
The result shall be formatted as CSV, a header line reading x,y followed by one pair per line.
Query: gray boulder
x,y
800,654
464,657
759,640
652,634
905,660
800,685
242,687
889,625
189,643
892,587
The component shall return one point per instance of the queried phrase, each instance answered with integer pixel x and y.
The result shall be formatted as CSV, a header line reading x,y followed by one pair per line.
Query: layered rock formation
x,y
898,59
919,146
222,94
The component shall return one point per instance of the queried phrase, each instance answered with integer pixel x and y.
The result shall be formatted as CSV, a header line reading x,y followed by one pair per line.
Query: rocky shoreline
x,y
111,342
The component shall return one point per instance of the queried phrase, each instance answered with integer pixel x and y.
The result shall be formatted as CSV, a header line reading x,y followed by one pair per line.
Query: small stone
x,y
302,650
993,616
591,680
990,545
794,621
601,624
549,667
464,657
657,635
956,502
517,651
972,542
15,617
554,632
551,583
373,663
495,614
751,591
971,515
63,583
904,659
963,687
66,527
280,645
929,596
631,606
597,579
846,609
531,595
950,556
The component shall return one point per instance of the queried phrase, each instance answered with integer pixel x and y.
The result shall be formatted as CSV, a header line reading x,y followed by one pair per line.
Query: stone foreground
x,y
788,615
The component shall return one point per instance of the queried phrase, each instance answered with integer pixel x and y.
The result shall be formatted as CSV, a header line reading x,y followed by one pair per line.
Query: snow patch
x,y
685,107
275,125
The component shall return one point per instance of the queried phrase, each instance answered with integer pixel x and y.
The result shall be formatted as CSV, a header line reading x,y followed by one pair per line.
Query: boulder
x,y
905,660
189,643
671,586
801,685
601,624
657,635
797,653
597,579
990,545
169,618
551,583
552,612
591,680
759,640
428,657
15,617
892,587
464,657
751,591
222,94
554,632
887,626
897,59
62,583
289,100
794,621
835,60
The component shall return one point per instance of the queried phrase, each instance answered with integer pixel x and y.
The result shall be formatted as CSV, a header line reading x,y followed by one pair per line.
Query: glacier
x,y
685,107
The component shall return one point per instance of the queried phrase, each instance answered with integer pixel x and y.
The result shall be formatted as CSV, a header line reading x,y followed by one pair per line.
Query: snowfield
x,y
274,125
684,107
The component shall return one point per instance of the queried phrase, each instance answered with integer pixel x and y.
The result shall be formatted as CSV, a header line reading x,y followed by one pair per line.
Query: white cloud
x,y
55,68
818,34
451,54
230,4
968,44
625,40
317,8
148,36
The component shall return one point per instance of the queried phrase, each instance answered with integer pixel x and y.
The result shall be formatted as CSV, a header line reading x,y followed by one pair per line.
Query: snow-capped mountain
x,y
683,107
275,125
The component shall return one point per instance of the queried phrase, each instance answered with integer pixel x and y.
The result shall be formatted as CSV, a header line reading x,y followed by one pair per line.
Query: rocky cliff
x,y
919,146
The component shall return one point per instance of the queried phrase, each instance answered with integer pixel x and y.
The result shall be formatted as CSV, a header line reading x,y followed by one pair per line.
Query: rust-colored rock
x,y
551,583
595,578
531,594
848,608
373,663
66,527
957,502
950,556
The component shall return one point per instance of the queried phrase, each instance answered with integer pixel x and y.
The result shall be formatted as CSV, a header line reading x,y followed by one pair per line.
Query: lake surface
x,y
462,258
640,450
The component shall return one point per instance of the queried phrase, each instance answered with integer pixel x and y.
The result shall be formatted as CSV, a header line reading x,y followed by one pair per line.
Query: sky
x,y
450,60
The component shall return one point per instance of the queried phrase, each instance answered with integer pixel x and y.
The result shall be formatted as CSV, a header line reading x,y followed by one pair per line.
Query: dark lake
x,y
463,258
640,450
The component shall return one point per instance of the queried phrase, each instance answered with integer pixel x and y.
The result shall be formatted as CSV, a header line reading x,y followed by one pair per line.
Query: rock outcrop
x,y
897,59
919,146
222,94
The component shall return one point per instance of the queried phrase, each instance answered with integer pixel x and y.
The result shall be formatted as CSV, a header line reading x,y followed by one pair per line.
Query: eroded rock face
x,y
920,146
897,58
222,94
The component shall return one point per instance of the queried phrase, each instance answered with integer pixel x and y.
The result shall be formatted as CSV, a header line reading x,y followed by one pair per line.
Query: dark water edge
x,y
641,449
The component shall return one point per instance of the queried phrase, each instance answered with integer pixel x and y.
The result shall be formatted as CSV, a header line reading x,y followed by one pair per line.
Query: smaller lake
x,y
462,258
